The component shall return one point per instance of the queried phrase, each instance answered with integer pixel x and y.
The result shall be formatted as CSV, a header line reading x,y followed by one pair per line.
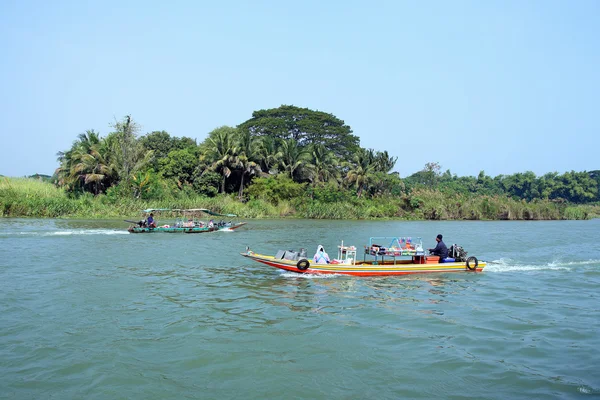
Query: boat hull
x,y
367,268
159,229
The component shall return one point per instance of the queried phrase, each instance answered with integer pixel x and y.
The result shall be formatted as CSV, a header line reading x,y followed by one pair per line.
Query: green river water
x,y
88,311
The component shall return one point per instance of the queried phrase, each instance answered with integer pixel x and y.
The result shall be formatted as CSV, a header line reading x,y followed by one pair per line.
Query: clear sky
x,y
500,86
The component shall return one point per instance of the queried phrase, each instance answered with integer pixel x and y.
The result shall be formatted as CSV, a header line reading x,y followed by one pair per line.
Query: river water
x,y
90,311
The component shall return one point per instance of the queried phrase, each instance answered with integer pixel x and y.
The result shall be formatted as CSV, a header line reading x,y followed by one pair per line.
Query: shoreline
x,y
34,199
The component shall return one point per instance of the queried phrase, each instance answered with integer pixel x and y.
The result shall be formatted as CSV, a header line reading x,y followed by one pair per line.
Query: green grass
x,y
25,197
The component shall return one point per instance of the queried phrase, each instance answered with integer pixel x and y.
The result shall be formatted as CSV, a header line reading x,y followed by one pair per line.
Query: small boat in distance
x,y
383,261
187,222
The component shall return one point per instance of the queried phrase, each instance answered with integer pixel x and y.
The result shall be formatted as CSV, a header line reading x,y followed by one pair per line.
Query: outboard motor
x,y
458,253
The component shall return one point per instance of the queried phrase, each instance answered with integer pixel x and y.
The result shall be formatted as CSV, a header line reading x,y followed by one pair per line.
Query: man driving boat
x,y
440,249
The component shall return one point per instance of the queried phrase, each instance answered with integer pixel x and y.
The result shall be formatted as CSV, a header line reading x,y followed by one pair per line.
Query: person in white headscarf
x,y
321,257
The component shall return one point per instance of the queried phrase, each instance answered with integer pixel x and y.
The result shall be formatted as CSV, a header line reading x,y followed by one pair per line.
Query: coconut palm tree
x,y
220,151
92,169
324,164
267,153
293,157
384,162
66,173
63,172
360,171
245,159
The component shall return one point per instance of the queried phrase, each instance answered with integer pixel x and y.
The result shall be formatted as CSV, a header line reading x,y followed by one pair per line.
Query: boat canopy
x,y
189,210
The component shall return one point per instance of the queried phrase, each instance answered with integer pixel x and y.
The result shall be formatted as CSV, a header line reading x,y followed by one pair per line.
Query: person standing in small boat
x,y
321,257
440,249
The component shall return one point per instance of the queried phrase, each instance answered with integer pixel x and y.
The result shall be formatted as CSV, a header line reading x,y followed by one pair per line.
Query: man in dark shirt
x,y
440,249
151,223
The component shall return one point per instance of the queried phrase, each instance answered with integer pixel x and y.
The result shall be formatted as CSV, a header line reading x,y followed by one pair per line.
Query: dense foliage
x,y
306,163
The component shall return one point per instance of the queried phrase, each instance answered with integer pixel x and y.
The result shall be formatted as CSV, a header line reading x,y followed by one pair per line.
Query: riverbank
x,y
21,197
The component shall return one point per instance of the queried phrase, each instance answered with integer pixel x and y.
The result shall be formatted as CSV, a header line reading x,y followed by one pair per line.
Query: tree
x,y
63,172
431,173
207,184
179,165
219,150
324,165
93,169
305,126
384,162
247,154
160,142
268,153
85,166
293,157
360,172
522,185
129,156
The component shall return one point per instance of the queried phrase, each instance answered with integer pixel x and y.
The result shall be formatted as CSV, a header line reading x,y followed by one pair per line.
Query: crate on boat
x,y
432,259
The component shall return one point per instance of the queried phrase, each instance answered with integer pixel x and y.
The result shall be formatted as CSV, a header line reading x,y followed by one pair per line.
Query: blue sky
x,y
500,86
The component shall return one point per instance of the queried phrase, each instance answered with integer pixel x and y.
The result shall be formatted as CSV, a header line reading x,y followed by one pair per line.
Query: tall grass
x,y
23,197
431,204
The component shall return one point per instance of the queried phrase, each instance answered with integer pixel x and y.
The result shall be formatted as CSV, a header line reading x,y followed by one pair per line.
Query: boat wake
x,y
508,265
309,276
76,232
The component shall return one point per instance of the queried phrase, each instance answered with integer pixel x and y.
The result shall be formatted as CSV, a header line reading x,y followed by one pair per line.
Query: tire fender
x,y
472,263
303,264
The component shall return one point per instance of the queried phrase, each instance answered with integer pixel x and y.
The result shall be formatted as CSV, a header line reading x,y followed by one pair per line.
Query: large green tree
x,y
161,143
305,126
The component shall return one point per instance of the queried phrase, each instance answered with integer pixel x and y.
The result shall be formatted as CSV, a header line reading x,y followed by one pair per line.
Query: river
x,y
90,311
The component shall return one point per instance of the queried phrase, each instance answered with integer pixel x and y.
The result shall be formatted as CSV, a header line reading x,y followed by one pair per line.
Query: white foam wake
x,y
75,232
90,232
308,276
508,265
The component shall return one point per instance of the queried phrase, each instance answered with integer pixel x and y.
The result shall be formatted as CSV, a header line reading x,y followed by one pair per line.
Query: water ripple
x,y
102,315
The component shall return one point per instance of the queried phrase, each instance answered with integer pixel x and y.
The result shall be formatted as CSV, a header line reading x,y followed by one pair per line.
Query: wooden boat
x,y
188,222
383,261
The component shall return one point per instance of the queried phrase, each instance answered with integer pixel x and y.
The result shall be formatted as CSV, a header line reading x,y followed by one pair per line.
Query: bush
x,y
275,189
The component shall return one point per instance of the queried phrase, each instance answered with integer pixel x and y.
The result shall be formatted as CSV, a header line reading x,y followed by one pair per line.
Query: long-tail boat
x,y
187,222
402,257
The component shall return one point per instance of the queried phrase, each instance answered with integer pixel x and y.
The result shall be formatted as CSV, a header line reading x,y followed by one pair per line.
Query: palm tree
x,y
220,152
360,172
92,169
247,153
324,165
267,153
63,172
293,157
384,162
66,173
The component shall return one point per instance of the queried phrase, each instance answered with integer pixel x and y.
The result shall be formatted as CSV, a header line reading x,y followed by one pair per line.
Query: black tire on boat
x,y
474,262
303,264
